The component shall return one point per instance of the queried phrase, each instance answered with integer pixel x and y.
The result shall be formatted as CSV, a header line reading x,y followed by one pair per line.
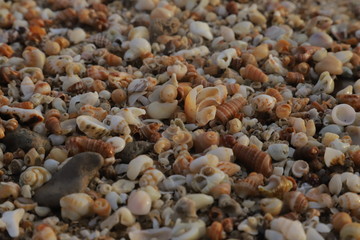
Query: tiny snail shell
x,y
76,205
299,139
343,114
300,168
340,219
254,74
168,93
288,228
151,177
271,205
277,186
102,207
35,177
264,103
138,165
278,151
333,157
296,201
139,202
349,201
350,231
249,186
224,154
206,160
201,29
283,110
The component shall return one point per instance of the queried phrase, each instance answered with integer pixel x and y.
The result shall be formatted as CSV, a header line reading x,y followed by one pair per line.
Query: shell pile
x,y
209,119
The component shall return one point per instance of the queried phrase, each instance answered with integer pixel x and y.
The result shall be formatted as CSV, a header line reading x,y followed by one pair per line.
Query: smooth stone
x,y
134,149
321,39
139,202
333,128
331,64
25,139
73,177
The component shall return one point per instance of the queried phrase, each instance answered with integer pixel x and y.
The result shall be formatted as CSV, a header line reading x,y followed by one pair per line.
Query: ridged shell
x,y
77,145
249,186
351,99
92,127
102,207
307,153
35,177
205,140
151,177
229,168
349,201
296,201
254,74
227,111
75,206
277,186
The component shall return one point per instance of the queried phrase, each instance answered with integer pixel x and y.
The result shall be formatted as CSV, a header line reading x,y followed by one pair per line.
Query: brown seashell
x,y
112,59
274,93
277,186
232,88
36,33
102,207
63,42
294,78
151,131
302,68
229,168
282,46
182,163
77,145
215,230
351,99
228,225
78,88
254,74
298,104
248,58
339,220
296,201
253,159
249,186
229,109
305,52
52,121
26,203
283,110
6,50
119,96
23,105
95,112
307,153
205,140
97,72
222,188
355,157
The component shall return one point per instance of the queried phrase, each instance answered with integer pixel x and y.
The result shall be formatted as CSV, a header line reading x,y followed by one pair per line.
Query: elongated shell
x,y
254,74
138,165
92,127
35,177
249,186
77,145
75,206
227,111
296,201
253,159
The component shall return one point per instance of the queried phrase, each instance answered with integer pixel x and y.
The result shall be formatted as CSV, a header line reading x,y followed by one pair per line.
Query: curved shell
x,y
8,189
190,104
333,157
249,186
263,103
350,231
227,111
352,99
200,162
229,168
77,145
289,229
151,177
300,168
296,201
271,205
138,165
92,127
205,140
139,202
160,110
278,151
277,186
254,74
102,207
35,177
325,84
349,201
340,219
75,206
208,178
343,114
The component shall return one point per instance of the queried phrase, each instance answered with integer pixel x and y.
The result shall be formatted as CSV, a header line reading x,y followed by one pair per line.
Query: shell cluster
x,y
174,119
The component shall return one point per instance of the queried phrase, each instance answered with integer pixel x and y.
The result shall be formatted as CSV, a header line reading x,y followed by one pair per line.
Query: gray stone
x,y
134,149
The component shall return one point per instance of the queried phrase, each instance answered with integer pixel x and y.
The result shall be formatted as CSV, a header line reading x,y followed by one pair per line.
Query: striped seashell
x,y
35,177
77,88
274,93
349,201
77,145
283,110
95,112
151,131
52,121
220,189
34,57
229,168
76,205
97,72
57,64
92,127
277,186
151,177
254,74
249,186
253,159
296,201
227,111
351,99
232,88
204,140
307,153
294,78
102,207
183,137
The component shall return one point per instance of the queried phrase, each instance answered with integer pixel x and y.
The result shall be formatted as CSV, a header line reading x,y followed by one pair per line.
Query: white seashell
x,y
69,81
223,60
249,226
344,56
138,165
57,64
139,32
77,35
42,211
298,124
76,205
131,115
325,84
224,154
27,88
78,101
339,145
335,184
353,183
197,51
205,115
343,114
172,182
201,200
138,47
312,234
274,65
346,90
299,139
188,231
319,55
117,142
349,201
145,5
227,33
139,202
263,103
123,186
12,220
278,151
35,177
321,39
122,215
114,199
202,29
117,124
200,162
333,157
271,205
160,110
289,229
300,168
24,114
92,127
273,235
208,178
243,28
163,233
151,177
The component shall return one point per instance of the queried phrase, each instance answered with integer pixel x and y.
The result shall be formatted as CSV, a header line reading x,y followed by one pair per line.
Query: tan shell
x,y
92,127
254,74
8,189
249,186
340,219
35,177
271,205
296,201
75,206
277,186
151,177
102,207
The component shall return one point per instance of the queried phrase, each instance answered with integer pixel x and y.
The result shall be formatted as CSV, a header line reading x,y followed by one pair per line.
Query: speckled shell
x,y
227,111
249,186
277,186
92,127
253,159
151,177
35,177
75,206
296,201
254,74
77,145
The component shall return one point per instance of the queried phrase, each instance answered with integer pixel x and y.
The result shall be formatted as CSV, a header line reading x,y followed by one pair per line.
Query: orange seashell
x,y
228,225
305,52
254,74
248,59
6,50
277,186
228,110
296,201
44,232
229,168
350,99
151,131
36,33
97,72
339,220
102,207
24,105
182,163
205,140
307,153
249,186
294,78
77,145
95,112
355,157
63,42
112,59
253,159
52,121
282,46
274,93
232,88
214,232
298,104
7,74
43,88
222,188
283,110
302,68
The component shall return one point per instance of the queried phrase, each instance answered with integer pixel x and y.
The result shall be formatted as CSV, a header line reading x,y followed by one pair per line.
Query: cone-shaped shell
x,y
227,111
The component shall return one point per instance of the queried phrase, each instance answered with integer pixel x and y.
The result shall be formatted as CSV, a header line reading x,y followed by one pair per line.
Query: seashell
x,y
96,112
227,111
205,140
139,202
229,168
321,39
123,186
300,168
162,145
283,110
138,47
278,152
343,114
168,93
229,206
102,207
160,233
138,165
151,131
202,29
44,231
254,74
160,110
27,88
339,220
6,50
274,93
243,28
29,116
349,201
11,219
333,157
92,127
274,65
222,188
261,52
117,142
214,231
121,215
200,162
25,203
325,84
296,201
151,177
350,231
223,60
271,205
35,177
32,158
277,186
76,205
307,152
253,159
191,230
34,57
249,226
205,115
52,121
249,186
9,189
77,145
263,103
190,104
207,178
117,124
355,157
299,139
331,64
294,78
350,99
288,228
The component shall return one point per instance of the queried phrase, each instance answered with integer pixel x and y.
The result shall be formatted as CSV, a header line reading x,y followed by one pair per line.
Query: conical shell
x,y
254,74
227,111
92,127
77,145
205,140
277,186
296,201
249,186
75,206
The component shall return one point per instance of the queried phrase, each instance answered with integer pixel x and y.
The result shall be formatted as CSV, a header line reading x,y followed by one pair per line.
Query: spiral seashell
x,y
32,158
200,162
333,157
227,111
349,201
162,145
283,110
102,207
92,127
151,177
34,57
288,228
294,78
52,121
296,201
339,220
300,168
76,205
138,165
253,159
299,139
263,103
183,137
77,145
343,114
182,163
350,231
207,178
220,189
249,186
271,205
277,186
35,177
307,153
9,189
254,74
229,168
355,157
151,131
205,140
44,231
